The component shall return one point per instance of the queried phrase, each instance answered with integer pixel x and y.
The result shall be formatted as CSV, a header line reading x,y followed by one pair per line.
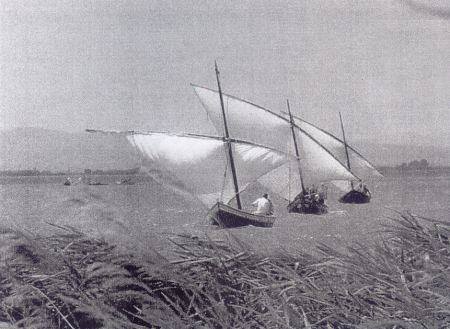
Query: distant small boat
x,y
125,181
361,193
96,183
69,181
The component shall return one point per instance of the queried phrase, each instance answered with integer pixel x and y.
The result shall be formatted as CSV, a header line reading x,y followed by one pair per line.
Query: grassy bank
x,y
70,281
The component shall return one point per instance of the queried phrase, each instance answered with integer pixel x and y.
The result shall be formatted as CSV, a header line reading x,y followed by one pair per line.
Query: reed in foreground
x,y
70,281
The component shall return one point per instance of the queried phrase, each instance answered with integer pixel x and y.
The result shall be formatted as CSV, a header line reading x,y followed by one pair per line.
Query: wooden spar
x,y
345,145
291,120
227,138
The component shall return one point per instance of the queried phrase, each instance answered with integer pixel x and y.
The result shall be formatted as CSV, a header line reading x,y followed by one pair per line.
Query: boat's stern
x,y
212,215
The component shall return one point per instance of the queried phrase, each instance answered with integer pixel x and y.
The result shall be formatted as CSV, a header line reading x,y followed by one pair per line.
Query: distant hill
x,y
43,149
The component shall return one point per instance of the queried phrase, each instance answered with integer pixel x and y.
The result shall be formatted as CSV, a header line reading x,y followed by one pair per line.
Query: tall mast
x,y
291,121
227,138
345,144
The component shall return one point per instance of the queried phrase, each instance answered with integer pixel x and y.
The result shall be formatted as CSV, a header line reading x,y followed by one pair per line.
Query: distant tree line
x,y
112,171
34,172
29,172
414,165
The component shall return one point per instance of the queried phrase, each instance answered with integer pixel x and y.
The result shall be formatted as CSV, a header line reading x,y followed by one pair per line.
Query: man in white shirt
x,y
263,205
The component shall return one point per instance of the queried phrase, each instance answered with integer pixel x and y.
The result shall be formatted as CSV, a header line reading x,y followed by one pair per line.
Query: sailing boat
x,y
68,180
355,162
307,201
361,193
254,123
214,169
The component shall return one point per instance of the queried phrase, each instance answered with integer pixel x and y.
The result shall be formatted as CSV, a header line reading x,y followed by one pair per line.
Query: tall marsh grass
x,y
71,281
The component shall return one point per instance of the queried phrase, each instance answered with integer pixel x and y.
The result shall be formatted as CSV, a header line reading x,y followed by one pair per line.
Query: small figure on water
x,y
362,188
263,205
323,192
69,181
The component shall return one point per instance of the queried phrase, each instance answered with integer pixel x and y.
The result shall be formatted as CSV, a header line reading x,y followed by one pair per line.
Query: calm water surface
x,y
141,217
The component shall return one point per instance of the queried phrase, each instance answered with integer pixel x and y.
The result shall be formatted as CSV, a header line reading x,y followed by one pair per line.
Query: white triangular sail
x,y
359,165
199,164
245,120
253,123
343,185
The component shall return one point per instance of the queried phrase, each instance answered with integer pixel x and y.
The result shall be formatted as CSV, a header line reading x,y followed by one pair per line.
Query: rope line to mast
x,y
224,175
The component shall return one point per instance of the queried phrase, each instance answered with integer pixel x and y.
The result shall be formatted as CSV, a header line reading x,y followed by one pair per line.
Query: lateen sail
x,y
199,164
359,165
253,123
245,120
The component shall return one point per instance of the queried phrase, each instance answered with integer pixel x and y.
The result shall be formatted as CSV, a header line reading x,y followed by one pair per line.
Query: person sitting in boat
x,y
359,187
263,205
311,200
365,190
307,195
323,191
316,197
362,188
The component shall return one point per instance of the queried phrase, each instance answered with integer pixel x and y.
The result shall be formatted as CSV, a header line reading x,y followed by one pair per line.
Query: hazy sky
x,y
71,65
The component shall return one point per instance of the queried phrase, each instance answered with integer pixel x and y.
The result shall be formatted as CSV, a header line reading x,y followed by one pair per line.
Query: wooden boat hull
x,y
308,205
355,197
227,216
314,209
124,183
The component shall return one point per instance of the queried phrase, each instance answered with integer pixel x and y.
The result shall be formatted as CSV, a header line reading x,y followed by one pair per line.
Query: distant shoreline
x,y
398,169
34,172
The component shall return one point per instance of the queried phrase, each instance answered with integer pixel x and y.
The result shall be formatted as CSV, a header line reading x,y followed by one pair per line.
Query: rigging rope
x,y
224,174
139,152
289,178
